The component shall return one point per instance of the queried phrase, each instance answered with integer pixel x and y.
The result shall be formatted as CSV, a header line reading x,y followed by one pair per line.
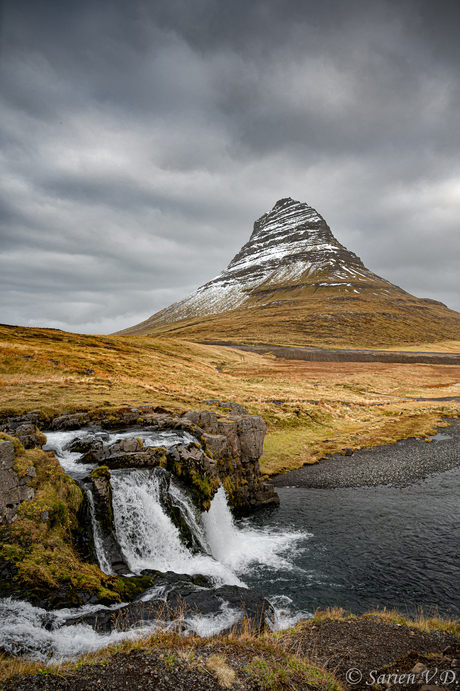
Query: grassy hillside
x,y
311,408
326,317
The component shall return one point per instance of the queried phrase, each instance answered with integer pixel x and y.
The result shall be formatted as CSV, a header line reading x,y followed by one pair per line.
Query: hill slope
x,y
293,283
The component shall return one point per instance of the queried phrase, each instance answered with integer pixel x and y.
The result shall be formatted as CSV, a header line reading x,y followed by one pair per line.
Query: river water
x,y
353,548
369,547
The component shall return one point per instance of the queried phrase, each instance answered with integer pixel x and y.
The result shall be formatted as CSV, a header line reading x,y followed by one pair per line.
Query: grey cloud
x,y
141,140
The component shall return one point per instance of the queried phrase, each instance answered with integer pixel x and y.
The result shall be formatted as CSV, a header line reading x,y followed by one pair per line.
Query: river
x,y
355,548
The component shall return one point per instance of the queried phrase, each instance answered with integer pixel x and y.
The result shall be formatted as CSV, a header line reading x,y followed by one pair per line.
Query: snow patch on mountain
x,y
290,247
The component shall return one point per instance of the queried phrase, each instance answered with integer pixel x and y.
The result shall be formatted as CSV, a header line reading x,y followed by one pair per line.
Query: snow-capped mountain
x,y
293,283
291,247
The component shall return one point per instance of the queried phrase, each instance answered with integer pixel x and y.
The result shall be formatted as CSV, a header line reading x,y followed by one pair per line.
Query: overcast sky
x,y
141,139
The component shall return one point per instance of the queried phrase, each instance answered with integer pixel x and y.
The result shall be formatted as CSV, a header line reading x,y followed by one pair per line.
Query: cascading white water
x,y
237,547
148,537
149,540
99,547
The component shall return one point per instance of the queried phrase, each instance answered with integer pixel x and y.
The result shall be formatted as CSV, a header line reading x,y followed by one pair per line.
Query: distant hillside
x,y
294,284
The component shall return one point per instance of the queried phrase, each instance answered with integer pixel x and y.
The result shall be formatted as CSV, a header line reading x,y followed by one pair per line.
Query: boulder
x,y
69,422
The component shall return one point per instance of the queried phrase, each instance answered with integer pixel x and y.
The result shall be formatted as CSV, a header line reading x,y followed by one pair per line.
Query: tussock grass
x,y
226,657
424,621
311,408
226,676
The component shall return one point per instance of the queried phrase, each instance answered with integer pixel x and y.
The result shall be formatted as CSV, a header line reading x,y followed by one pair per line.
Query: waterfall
x,y
146,505
99,547
146,533
239,547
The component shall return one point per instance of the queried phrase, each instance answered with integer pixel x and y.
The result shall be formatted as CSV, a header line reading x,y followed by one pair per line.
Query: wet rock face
x,y
183,595
236,444
13,489
102,494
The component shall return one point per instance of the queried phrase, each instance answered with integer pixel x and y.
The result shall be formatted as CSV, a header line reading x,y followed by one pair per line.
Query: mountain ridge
x,y
293,267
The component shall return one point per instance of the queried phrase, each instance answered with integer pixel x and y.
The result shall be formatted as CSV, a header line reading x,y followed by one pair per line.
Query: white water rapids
x,y
150,540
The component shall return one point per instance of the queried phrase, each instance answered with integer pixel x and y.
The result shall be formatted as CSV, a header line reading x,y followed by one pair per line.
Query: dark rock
x,y
7,455
101,490
217,444
253,607
178,581
128,445
150,458
234,407
205,419
92,448
185,597
24,428
69,422
13,489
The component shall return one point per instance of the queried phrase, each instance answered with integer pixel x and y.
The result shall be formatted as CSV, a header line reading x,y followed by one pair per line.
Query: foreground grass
x,y
311,408
267,659
264,660
423,621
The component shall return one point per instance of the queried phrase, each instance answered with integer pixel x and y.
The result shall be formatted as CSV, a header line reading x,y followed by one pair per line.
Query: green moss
x,y
18,447
101,471
38,545
228,486
162,461
129,588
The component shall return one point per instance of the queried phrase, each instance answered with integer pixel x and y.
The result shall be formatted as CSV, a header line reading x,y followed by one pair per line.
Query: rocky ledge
x,y
45,523
227,450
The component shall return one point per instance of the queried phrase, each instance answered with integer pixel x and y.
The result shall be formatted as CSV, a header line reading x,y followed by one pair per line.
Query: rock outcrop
x,y
13,488
236,444
25,428
227,449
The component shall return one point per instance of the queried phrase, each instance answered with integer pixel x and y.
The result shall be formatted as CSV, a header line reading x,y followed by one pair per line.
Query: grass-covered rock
x,y
42,556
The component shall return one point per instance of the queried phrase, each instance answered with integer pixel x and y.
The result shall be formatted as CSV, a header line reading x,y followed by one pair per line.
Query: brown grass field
x,y
311,408
312,317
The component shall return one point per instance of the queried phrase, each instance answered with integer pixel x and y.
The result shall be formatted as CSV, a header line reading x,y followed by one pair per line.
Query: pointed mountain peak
x,y
291,248
294,276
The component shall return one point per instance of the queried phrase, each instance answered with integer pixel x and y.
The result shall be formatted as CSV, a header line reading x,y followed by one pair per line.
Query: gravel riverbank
x,y
397,464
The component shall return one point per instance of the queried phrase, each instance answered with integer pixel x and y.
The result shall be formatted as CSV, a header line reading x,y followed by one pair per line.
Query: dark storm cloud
x,y
141,140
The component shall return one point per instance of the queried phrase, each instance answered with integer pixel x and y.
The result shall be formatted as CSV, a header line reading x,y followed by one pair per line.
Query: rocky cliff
x,y
47,555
